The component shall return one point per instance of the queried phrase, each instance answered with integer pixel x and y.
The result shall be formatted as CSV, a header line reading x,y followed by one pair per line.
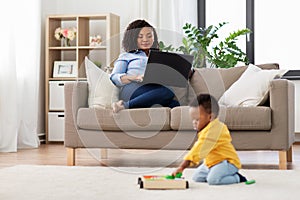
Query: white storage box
x,y
56,126
56,95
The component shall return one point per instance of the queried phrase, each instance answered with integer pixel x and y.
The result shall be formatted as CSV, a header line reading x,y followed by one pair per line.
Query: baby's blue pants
x,y
222,173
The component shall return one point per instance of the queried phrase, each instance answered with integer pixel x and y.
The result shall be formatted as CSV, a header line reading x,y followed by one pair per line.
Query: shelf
x,y
92,47
106,25
63,48
66,79
77,47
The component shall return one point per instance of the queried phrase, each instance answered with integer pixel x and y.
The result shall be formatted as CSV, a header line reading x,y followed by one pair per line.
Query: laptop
x,y
168,69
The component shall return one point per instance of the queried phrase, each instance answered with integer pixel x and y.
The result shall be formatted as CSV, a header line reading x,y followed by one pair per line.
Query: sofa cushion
x,y
231,75
269,66
236,118
217,80
206,80
102,92
246,118
246,92
180,118
125,120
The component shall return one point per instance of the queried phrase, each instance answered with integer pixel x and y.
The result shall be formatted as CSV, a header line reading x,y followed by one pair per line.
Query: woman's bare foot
x,y
117,106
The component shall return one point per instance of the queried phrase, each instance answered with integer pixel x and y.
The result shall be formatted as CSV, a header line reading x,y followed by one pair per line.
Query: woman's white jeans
x,y
222,173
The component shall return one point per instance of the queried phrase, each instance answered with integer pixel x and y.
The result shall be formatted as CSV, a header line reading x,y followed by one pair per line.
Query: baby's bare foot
x,y
117,106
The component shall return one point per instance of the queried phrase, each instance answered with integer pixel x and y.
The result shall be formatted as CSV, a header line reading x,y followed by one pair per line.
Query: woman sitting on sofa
x,y
139,38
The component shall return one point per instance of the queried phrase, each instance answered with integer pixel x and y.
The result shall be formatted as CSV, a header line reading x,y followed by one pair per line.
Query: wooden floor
x,y
55,154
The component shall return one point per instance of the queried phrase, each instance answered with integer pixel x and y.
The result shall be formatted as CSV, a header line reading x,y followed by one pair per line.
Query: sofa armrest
x,y
76,96
282,103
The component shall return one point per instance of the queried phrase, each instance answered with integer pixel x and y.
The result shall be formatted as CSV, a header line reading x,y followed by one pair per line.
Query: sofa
x,y
266,127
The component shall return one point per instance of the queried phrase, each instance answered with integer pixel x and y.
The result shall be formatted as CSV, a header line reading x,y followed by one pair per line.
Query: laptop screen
x,y
168,69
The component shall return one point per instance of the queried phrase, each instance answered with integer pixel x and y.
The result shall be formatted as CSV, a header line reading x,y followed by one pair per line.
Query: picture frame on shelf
x,y
65,69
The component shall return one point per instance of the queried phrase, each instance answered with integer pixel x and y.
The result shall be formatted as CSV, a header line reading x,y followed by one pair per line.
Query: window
x,y
239,16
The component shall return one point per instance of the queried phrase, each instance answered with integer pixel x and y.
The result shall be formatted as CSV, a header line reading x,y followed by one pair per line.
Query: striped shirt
x,y
128,64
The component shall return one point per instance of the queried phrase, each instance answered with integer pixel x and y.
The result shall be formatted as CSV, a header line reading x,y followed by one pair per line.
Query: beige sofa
x,y
266,127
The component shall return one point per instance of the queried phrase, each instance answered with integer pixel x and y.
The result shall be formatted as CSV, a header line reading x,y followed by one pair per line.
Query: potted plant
x,y
197,42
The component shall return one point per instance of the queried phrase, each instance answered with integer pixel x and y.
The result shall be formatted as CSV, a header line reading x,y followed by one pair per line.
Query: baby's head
x,y
203,110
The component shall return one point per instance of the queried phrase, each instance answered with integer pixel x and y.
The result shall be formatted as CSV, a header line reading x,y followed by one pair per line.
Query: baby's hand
x,y
177,171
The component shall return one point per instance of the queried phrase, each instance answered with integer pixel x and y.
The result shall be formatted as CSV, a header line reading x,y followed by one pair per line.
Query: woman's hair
x,y
208,102
132,32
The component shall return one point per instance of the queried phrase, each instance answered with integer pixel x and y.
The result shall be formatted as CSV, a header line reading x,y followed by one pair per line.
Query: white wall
x,y
128,10
277,33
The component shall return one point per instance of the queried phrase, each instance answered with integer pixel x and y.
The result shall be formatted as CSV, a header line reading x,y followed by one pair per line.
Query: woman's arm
x,y
125,79
120,75
119,70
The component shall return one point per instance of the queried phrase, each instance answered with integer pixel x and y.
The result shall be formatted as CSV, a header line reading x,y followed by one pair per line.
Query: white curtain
x,y
169,14
19,74
168,17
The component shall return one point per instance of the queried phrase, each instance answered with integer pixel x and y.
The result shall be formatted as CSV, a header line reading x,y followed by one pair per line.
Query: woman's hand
x,y
139,78
130,78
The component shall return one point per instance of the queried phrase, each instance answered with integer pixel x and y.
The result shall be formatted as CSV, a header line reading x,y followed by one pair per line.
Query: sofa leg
x,y
103,153
70,156
283,159
290,154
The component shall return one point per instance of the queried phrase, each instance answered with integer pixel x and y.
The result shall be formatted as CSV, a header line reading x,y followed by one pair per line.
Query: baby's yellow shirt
x,y
214,146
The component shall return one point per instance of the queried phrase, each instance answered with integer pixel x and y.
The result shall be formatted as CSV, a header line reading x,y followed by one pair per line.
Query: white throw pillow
x,y
102,92
251,89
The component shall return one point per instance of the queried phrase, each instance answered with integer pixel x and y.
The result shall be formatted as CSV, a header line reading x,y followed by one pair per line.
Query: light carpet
x,y
36,182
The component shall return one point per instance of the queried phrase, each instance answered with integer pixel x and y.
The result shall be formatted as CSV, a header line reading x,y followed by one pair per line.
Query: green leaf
x,y
197,42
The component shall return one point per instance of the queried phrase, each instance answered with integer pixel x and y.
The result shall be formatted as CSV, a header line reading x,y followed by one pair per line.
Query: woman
x,y
139,38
